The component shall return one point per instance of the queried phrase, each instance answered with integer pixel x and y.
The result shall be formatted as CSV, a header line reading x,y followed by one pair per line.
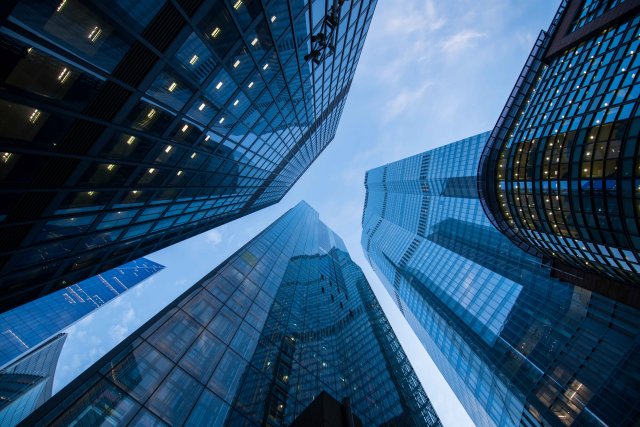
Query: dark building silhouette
x,y
286,320
560,173
516,345
128,125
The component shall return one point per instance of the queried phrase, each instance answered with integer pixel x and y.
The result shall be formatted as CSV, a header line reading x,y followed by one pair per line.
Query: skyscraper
x,y
255,342
517,346
28,325
560,173
131,125
27,382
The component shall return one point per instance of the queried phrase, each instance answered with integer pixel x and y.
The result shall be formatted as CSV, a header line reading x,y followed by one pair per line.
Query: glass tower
x,y
27,382
254,342
129,125
28,325
517,346
561,176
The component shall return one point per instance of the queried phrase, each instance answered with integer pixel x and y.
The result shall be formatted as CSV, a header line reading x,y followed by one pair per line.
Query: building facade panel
x,y
130,126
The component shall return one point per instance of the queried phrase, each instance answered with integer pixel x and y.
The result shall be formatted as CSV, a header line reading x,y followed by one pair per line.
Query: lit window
x,y
207,138
34,116
179,173
94,34
61,6
91,193
193,155
166,150
219,85
216,32
265,66
5,157
173,86
237,4
201,107
151,170
273,18
221,120
254,41
151,113
184,128
250,85
235,64
64,75
236,102
193,60
110,166
131,140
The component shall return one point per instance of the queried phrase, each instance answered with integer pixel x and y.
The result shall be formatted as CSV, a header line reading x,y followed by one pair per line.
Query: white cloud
x,y
461,40
214,237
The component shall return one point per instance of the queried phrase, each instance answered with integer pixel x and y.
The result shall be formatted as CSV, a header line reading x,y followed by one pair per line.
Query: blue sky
x,y
431,72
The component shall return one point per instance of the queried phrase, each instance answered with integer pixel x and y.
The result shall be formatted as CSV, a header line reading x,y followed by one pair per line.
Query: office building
x,y
27,383
27,326
256,342
131,125
517,346
560,173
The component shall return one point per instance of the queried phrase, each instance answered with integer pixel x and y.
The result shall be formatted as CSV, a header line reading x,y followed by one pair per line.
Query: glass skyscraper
x,y
561,176
517,346
28,325
285,318
27,382
129,125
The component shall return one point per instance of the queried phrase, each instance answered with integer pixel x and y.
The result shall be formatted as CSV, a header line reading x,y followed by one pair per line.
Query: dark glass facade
x,y
254,342
27,382
560,174
517,346
28,325
130,125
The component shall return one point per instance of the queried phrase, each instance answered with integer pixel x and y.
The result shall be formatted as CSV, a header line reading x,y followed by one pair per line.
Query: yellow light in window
x,y
193,155
237,4
6,157
254,41
173,86
34,116
94,34
236,102
185,128
235,64
168,148
151,170
273,18
207,138
193,60
61,6
134,191
201,107
179,173
216,32
219,85
250,85
91,193
64,75
110,166
131,140
265,66
151,113
585,169
221,120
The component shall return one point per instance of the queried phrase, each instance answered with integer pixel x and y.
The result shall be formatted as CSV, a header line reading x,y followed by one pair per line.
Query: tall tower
x,y
517,346
255,342
30,324
128,126
560,173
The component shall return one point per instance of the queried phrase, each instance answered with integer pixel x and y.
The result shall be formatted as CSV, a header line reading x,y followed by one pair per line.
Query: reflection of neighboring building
x,y
517,346
254,342
560,173
28,325
27,383
131,126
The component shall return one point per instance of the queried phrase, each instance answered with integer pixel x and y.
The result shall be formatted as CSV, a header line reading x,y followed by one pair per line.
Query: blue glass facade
x,y
561,176
133,125
285,318
28,325
27,382
517,346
